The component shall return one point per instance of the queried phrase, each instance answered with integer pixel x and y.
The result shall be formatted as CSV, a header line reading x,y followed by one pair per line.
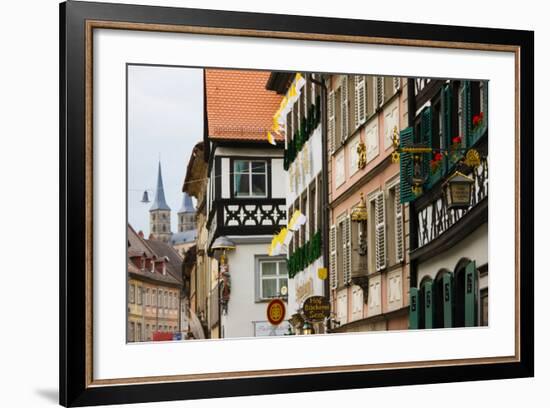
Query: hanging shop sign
x,y
276,311
316,308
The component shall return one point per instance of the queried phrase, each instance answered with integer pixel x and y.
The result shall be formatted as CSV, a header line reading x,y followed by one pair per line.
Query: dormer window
x,y
250,178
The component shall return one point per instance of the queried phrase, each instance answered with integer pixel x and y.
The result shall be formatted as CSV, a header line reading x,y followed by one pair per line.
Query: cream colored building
x,y
154,288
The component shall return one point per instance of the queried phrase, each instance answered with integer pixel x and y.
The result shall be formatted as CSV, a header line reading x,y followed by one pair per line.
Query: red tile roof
x,y
238,105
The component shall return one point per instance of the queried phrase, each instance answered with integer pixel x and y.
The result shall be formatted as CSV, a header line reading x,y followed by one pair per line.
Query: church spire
x,y
187,204
160,201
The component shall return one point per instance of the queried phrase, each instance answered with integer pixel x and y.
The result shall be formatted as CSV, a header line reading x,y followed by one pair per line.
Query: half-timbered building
x,y
448,246
245,196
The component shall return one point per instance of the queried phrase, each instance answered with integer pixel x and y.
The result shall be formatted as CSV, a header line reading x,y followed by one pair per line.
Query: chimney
x,y
141,235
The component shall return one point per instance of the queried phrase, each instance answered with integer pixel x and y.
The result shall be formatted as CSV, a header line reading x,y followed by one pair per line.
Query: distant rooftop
x,y
183,237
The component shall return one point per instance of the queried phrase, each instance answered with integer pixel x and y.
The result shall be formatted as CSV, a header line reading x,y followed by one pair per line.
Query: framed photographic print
x,y
257,204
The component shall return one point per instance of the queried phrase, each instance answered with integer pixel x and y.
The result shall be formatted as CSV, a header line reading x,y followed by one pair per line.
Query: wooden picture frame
x,y
78,20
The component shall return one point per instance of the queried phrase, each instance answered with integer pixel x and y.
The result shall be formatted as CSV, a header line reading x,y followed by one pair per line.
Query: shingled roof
x,y
137,246
238,106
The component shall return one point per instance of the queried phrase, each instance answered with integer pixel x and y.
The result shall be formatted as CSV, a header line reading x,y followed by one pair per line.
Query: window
x,y
377,233
147,332
389,87
250,178
131,331
138,332
132,294
484,303
343,251
304,211
333,259
154,299
340,169
292,244
360,101
396,221
273,277
437,126
311,210
139,295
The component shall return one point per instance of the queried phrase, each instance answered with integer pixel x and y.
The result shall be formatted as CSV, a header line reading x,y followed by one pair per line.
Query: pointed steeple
x,y
160,201
186,204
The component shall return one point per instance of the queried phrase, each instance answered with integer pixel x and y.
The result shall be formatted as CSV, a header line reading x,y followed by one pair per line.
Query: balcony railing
x,y
247,216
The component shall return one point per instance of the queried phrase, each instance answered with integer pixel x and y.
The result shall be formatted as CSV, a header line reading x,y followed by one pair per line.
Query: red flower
x,y
438,156
476,120
457,140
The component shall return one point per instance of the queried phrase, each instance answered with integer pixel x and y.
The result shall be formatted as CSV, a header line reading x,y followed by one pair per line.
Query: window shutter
x,y
447,300
360,100
406,139
356,266
332,258
465,108
468,112
398,207
380,227
470,297
396,84
447,108
331,122
379,91
426,131
344,108
414,312
347,250
428,305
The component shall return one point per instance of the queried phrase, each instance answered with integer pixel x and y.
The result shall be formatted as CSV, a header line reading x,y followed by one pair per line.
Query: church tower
x,y
159,213
186,215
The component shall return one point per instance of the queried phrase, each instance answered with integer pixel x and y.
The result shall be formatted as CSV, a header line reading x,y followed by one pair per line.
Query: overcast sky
x,y
165,119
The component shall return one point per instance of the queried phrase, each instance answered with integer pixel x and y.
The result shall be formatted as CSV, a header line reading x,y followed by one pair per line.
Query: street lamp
x,y
458,191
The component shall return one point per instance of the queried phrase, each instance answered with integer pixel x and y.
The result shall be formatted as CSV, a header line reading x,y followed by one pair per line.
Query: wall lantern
x,y
220,247
458,191
360,215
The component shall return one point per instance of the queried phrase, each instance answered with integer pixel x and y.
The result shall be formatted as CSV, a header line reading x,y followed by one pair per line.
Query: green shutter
x,y
414,313
426,137
447,106
467,101
406,139
428,305
470,298
447,300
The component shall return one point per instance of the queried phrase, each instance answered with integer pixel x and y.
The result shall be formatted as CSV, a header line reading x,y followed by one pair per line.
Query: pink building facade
x,y
368,260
